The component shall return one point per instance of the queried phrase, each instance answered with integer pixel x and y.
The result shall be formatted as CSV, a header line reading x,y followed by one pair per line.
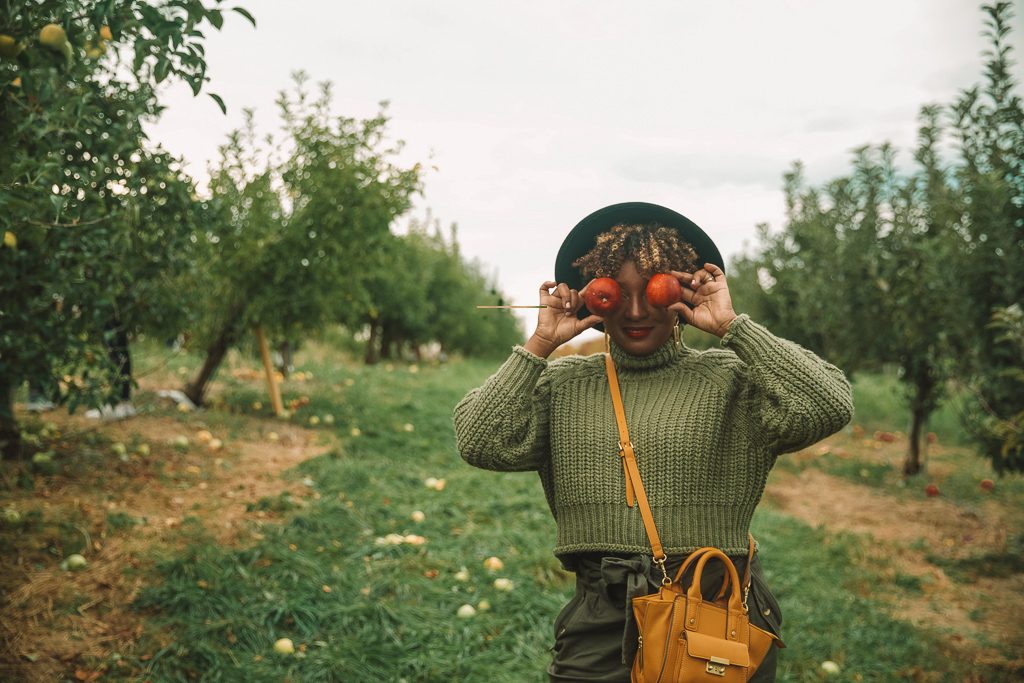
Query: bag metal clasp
x,y
665,580
717,666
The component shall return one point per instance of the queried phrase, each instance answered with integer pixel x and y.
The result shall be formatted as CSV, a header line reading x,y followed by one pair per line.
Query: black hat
x,y
583,237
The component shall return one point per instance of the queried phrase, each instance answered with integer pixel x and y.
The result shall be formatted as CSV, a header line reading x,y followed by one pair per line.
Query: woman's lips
x,y
636,332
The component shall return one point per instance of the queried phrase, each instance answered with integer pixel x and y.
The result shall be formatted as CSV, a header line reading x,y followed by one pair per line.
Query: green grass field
x,y
358,608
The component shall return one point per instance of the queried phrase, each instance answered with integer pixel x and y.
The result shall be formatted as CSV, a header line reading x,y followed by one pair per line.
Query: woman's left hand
x,y
707,293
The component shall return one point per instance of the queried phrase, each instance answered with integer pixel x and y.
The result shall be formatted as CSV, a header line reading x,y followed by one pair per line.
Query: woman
x,y
706,426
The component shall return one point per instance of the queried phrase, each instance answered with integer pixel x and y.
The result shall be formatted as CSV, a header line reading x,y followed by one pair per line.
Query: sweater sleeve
x,y
503,424
795,396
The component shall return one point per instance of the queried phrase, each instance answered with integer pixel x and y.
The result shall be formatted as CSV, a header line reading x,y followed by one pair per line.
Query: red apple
x,y
603,296
932,490
663,290
987,484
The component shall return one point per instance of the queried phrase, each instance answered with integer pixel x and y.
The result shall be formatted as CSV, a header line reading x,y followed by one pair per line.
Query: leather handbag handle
x,y
693,593
692,557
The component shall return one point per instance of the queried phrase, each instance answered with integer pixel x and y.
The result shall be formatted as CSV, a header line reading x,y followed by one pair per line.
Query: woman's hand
x,y
707,292
557,323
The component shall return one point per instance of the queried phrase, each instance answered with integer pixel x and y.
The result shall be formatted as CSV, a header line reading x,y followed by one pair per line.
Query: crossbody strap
x,y
634,486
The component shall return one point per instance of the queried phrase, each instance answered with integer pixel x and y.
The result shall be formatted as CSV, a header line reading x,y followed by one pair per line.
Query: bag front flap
x,y
703,646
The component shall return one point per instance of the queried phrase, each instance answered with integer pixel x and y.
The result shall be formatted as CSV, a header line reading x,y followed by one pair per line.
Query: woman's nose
x,y
636,308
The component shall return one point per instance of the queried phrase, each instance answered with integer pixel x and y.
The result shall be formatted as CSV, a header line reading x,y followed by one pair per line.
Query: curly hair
x,y
653,248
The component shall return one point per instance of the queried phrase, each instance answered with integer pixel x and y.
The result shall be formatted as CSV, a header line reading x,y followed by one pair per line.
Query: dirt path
x,y
53,620
898,528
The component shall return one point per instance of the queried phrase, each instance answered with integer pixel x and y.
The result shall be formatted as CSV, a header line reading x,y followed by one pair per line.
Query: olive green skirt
x,y
595,633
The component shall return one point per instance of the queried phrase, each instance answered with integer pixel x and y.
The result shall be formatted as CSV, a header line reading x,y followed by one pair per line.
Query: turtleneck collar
x,y
663,356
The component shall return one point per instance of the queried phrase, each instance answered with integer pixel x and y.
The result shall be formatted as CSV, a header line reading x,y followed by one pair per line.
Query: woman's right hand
x,y
557,323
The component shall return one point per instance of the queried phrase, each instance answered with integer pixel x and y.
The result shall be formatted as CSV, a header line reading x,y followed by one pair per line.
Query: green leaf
x,y
216,18
58,202
219,101
162,67
245,14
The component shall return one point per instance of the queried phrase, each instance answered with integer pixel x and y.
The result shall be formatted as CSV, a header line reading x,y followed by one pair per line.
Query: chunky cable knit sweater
x,y
707,427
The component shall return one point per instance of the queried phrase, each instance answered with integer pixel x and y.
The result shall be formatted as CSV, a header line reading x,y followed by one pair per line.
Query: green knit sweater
x,y
707,427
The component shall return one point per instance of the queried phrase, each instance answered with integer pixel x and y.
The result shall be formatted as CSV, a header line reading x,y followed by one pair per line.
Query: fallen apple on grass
x,y
987,485
74,563
284,646
931,490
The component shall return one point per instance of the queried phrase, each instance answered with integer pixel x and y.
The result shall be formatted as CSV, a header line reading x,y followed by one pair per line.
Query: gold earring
x,y
607,343
675,333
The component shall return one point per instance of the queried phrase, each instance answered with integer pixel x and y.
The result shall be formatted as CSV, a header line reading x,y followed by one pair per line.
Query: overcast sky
x,y
537,113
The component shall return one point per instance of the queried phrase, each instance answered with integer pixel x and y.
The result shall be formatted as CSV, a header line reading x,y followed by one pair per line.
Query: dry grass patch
x,y
117,512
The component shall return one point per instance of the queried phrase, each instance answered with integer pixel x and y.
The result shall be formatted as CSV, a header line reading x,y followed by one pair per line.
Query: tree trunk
x,y
390,343
387,343
920,409
372,356
215,353
912,465
285,349
10,434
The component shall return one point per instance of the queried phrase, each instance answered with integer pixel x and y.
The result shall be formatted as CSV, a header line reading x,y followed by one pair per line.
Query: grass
x,y
828,613
359,610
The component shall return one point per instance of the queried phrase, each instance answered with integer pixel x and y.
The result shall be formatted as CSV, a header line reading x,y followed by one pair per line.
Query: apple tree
x,y
295,223
78,187
989,125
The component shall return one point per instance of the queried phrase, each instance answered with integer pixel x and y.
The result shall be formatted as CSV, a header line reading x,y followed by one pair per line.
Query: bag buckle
x,y
717,666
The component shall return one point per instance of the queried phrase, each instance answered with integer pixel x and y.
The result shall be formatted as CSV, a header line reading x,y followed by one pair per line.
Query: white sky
x,y
537,113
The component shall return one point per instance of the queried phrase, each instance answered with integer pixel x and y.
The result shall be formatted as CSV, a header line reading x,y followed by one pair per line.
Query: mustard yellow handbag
x,y
683,637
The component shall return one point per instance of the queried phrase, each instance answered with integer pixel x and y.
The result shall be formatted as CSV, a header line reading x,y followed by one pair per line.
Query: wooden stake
x,y
272,387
